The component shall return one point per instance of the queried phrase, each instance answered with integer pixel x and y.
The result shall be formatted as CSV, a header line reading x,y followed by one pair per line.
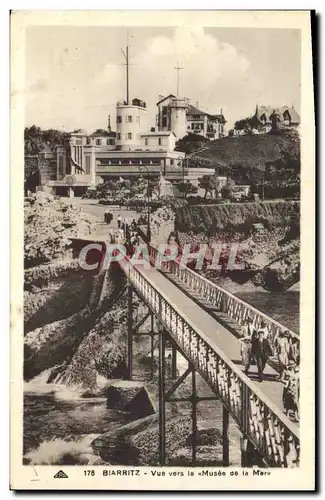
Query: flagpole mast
x,y
126,57
127,74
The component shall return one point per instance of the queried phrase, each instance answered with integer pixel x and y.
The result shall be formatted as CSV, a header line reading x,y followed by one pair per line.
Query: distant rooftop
x,y
103,133
265,113
194,111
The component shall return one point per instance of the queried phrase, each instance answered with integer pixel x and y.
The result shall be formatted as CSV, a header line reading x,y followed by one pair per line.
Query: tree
x,y
210,183
246,124
154,189
187,188
190,143
228,188
36,141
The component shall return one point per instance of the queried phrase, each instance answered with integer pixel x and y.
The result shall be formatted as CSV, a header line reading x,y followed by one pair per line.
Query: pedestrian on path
x,y
291,390
246,344
106,214
119,221
266,345
282,347
257,353
294,348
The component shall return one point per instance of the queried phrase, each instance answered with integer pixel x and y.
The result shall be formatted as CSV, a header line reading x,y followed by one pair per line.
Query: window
x,y
98,142
79,142
87,165
129,119
172,162
118,136
129,135
88,140
119,119
146,142
138,119
159,141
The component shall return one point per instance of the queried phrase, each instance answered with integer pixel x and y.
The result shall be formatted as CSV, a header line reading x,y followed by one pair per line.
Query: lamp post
x,y
140,167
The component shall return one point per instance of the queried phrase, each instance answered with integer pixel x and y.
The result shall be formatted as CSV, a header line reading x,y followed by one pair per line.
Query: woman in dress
x,y
282,346
246,344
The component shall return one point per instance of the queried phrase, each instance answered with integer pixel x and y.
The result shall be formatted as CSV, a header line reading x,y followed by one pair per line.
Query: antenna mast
x,y
178,68
126,57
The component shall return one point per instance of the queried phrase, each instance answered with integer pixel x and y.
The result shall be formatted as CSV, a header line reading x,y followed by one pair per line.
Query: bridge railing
x,y
259,419
226,302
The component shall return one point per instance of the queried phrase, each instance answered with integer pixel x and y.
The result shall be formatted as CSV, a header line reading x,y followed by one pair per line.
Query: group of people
x,y
108,216
256,349
126,234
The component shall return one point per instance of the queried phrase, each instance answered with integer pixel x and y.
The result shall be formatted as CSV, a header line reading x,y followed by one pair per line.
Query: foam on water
x,y
60,451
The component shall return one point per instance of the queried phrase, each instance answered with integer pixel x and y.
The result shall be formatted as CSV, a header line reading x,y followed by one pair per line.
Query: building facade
x,y
265,118
179,116
131,121
85,160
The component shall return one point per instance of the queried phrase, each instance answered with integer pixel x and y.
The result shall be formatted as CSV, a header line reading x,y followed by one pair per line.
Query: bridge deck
x,y
216,332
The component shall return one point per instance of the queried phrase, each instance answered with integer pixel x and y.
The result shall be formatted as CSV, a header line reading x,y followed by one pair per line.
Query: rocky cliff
x,y
48,224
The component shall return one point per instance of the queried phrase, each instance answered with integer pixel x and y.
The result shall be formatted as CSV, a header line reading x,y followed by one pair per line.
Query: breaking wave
x,y
62,452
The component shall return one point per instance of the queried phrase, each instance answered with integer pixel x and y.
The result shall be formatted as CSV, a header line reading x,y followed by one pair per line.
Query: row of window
x,y
129,136
155,161
128,119
99,142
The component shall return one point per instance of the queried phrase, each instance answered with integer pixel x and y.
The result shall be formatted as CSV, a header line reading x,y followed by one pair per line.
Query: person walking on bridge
x,y
282,347
266,346
257,352
246,344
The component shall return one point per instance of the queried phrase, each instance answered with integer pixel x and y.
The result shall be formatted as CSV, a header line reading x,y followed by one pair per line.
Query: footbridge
x,y
202,322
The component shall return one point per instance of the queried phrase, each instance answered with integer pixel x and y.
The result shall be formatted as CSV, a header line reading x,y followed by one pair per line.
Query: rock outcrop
x,y
137,443
49,223
132,397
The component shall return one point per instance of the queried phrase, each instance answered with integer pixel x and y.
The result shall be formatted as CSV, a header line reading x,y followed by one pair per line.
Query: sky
x,y
75,75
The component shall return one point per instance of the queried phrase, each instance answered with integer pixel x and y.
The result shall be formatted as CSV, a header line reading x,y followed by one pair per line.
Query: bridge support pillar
x,y
248,453
162,400
130,333
194,417
152,346
225,437
174,361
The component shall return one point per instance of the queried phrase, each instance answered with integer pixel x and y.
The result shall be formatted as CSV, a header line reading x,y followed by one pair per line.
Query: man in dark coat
x,y
257,353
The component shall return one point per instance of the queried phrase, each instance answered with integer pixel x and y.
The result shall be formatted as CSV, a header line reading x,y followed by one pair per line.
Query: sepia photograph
x,y
162,250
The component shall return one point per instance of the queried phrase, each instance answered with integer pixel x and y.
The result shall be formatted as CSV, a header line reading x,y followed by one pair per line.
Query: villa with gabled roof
x,y
264,116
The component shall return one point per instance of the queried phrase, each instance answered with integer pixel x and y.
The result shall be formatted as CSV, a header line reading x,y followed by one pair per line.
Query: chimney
x,y
197,104
109,123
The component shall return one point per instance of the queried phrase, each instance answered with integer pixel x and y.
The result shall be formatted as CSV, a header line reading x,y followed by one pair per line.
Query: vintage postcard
x,y
162,246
